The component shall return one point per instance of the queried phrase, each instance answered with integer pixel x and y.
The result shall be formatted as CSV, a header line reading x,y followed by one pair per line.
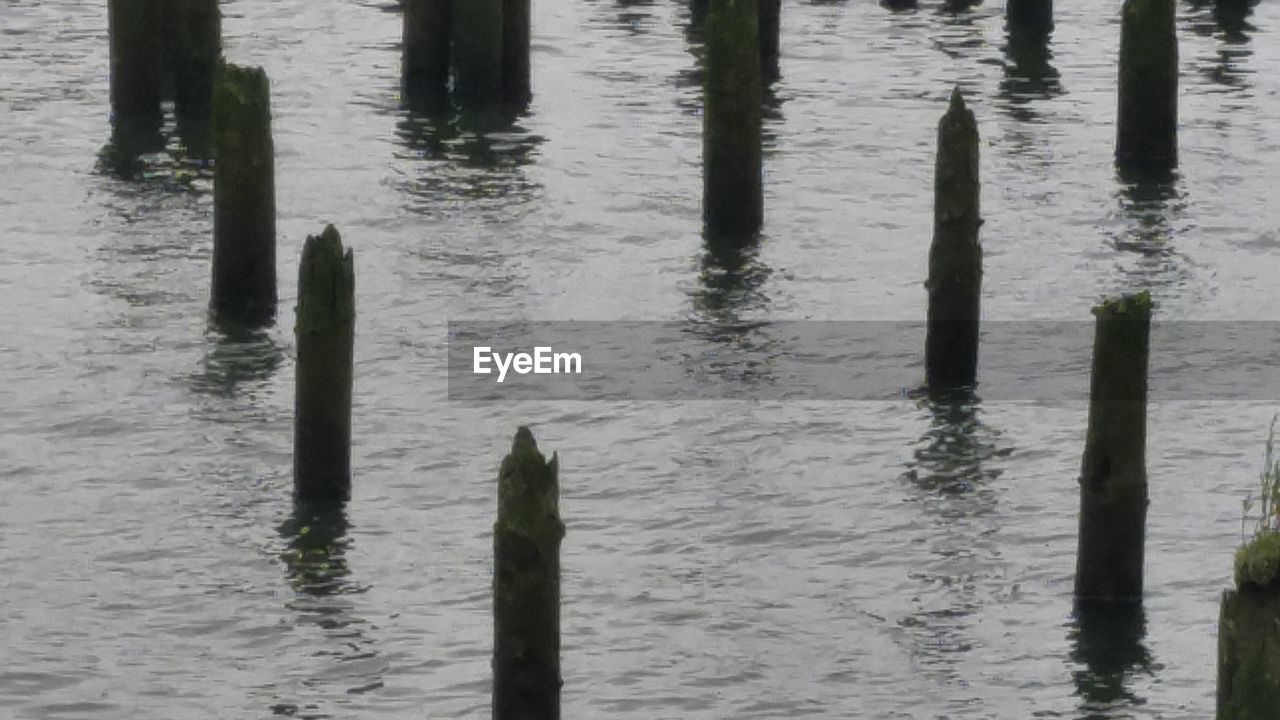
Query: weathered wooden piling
x,y
136,49
1249,634
1029,18
526,586
478,40
1113,476
516,40
425,54
194,46
732,155
770,44
955,255
1147,121
244,205
325,333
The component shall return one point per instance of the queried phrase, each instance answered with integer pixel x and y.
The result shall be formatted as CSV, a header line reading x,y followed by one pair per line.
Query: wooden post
x,y
477,52
1029,18
325,333
137,73
425,58
244,205
1249,634
1147,121
1113,477
516,40
955,255
770,44
526,585
195,47
732,153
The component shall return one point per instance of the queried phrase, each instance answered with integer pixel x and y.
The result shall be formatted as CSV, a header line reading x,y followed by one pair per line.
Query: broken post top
x,y
529,489
956,194
242,85
1126,307
326,282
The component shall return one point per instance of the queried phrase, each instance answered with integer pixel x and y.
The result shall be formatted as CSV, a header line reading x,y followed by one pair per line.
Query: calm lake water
x,y
723,559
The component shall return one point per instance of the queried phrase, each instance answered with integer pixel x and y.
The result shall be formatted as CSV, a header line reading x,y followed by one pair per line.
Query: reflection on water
x,y
317,569
1149,207
729,296
235,355
1228,20
949,458
951,469
1107,645
634,16
315,555
173,153
1029,74
476,156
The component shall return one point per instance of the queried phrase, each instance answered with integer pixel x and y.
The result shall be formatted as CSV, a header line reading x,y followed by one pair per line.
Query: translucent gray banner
x,y
1036,361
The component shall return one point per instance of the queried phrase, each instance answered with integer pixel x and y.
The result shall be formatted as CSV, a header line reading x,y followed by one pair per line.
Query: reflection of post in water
x,y
315,558
730,281
1028,71
131,140
1232,17
483,163
235,355
1146,203
1107,642
950,455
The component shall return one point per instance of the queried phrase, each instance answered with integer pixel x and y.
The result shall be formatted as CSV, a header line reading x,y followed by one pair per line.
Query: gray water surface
x,y
869,559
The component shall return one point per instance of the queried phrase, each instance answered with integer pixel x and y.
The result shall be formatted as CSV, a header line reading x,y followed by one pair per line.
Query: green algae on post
x,y
136,50
1113,477
477,51
732,152
425,59
1147,120
325,333
195,45
1249,619
516,40
526,585
244,201
955,255
1249,653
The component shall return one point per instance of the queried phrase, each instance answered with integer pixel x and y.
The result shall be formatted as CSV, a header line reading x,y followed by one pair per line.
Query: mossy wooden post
x,y
1147,121
1113,475
136,49
195,46
244,204
955,255
770,45
526,585
425,55
1249,634
733,192
516,39
1029,18
477,52
325,333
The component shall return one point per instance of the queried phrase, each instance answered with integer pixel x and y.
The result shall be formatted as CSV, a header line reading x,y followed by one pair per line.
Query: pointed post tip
x,y
957,100
523,439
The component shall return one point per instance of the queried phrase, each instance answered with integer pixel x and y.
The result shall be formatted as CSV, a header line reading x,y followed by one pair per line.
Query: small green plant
x,y
1258,560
